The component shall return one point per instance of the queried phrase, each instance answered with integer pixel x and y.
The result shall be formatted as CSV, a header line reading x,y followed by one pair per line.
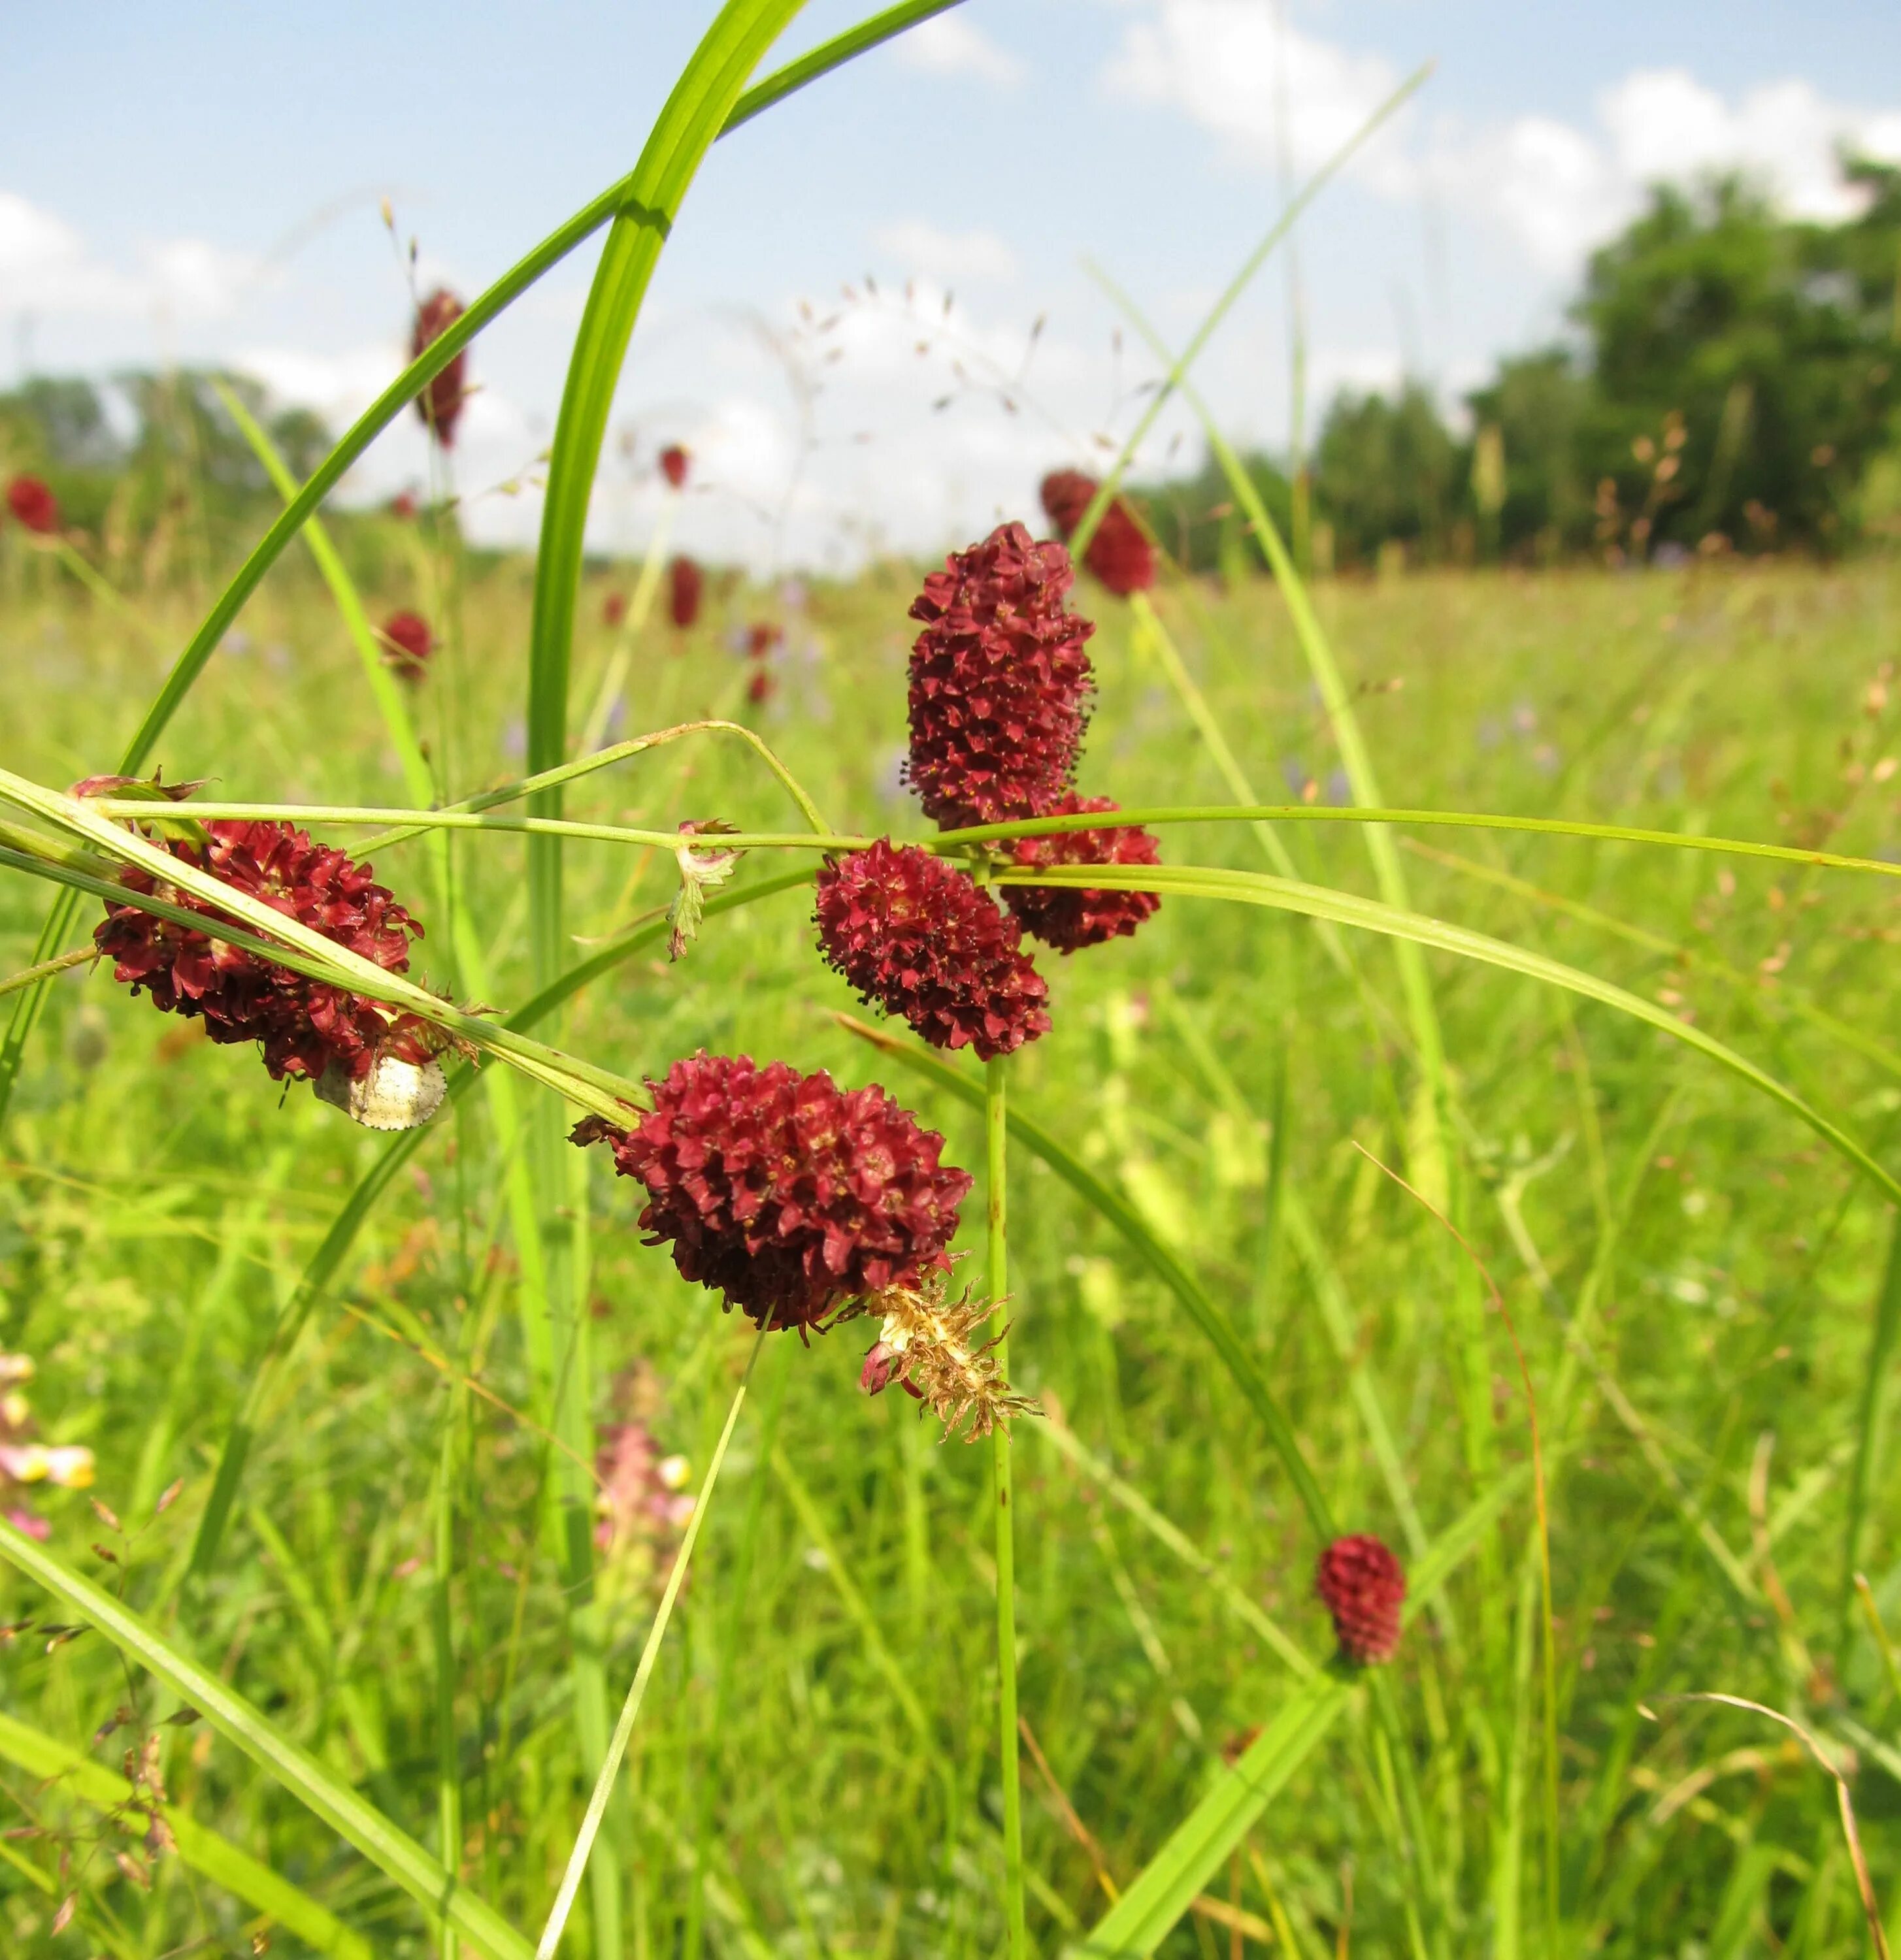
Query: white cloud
x,y
948,44
946,256
1228,65
1561,190
47,267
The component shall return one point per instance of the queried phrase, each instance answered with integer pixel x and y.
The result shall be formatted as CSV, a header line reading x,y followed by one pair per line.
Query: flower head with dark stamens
x,y
441,402
34,505
920,939
1360,1584
685,584
306,1027
1068,916
407,643
789,1196
674,460
999,682
1119,553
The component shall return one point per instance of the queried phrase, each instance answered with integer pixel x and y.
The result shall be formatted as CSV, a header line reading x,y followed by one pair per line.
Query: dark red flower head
x,y
759,686
613,608
1119,553
304,1025
999,682
920,939
761,637
1360,1584
673,461
439,403
407,643
404,504
786,1194
1069,916
685,584
32,502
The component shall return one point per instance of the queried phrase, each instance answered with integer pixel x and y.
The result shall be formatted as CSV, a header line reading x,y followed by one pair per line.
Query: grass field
x,y
1694,1276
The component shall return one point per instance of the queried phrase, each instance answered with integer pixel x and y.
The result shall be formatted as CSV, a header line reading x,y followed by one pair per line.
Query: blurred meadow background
x,y
1596,526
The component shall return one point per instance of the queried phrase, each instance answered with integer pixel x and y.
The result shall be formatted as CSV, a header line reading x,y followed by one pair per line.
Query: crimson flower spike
x,y
1120,554
1362,1584
34,505
441,402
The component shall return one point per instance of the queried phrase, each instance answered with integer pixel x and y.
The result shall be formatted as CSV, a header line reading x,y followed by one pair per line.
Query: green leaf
x,y
392,1851
1143,1917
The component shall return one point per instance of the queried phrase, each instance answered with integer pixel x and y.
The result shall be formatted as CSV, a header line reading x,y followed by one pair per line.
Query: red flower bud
x,y
673,461
1068,916
999,682
1119,553
439,403
33,504
787,1194
1360,1584
919,938
407,643
685,584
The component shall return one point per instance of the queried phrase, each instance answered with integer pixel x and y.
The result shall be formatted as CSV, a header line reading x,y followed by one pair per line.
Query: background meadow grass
x,y
1692,1276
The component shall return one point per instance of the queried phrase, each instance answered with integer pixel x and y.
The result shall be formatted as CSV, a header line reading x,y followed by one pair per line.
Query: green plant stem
x,y
996,1167
630,1710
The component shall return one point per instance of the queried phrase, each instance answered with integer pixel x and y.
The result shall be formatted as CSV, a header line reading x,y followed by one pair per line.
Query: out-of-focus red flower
x,y
1360,1584
685,583
787,1194
305,1026
920,939
34,505
404,504
760,685
674,460
1120,554
999,682
761,637
439,403
407,645
1068,916
613,609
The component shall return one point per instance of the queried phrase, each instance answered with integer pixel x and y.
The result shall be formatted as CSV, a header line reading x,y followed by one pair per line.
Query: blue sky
x,y
202,182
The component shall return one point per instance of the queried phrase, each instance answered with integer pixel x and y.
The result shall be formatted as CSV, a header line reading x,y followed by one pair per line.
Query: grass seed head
x,y
919,938
790,1196
1362,1585
1000,682
1068,916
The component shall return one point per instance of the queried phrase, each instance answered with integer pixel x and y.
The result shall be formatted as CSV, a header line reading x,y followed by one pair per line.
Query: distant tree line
x,y
1735,384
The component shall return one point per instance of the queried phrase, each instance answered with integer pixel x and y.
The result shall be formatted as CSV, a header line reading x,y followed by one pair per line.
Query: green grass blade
x,y
219,1859
1112,1206
1150,1907
1257,888
391,1849
834,53
1871,1417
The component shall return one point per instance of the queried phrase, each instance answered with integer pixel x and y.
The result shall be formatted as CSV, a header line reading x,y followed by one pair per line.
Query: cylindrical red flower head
x,y
920,939
613,609
999,682
761,637
33,504
674,460
407,643
305,1026
759,686
685,584
1069,916
1360,1584
787,1194
1119,553
439,403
